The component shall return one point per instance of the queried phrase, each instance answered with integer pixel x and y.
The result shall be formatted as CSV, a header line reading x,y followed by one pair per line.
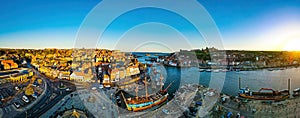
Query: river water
x,y
277,79
227,82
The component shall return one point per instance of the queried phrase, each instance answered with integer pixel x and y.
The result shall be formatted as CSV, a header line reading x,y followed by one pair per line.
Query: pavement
x,y
93,102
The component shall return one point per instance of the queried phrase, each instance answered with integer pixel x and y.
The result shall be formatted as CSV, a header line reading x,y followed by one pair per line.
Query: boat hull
x,y
276,98
155,103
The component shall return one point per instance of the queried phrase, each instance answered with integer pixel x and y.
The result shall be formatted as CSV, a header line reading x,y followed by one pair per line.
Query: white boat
x,y
201,70
208,70
216,70
224,70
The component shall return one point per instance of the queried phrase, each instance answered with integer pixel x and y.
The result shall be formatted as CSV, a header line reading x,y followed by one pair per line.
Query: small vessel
x,y
172,64
216,70
208,70
264,93
224,70
270,69
201,70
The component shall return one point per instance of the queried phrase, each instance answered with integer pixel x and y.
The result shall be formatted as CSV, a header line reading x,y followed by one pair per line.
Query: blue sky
x,y
244,25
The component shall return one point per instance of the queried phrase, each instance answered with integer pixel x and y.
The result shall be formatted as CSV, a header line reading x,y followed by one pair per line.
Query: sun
x,y
292,45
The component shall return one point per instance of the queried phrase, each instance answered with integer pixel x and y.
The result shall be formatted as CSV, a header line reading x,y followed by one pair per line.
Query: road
x,y
47,101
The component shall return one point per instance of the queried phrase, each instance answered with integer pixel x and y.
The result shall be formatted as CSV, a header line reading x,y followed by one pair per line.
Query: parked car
x,y
25,99
17,88
35,95
68,89
94,88
17,105
166,111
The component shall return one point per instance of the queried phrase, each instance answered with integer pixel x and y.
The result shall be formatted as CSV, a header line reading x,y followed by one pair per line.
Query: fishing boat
x,y
224,70
140,103
172,64
208,70
201,70
270,69
215,70
264,93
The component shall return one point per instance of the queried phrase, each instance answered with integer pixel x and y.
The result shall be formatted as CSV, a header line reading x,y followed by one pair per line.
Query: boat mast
x,y
146,88
169,86
161,83
137,92
124,98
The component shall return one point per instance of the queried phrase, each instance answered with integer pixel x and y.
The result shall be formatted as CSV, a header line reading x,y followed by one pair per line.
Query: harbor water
x,y
228,81
276,79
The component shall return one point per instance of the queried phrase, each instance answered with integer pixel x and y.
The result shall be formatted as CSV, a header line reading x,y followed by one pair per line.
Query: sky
x,y
243,25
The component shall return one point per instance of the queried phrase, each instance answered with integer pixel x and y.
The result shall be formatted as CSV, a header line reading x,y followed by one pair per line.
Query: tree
x,y
40,81
29,91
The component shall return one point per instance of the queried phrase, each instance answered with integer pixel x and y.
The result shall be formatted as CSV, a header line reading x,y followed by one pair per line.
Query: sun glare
x,y
292,45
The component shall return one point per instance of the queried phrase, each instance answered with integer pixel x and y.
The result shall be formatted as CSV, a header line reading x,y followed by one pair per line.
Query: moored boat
x,y
201,70
264,94
208,70
140,103
145,102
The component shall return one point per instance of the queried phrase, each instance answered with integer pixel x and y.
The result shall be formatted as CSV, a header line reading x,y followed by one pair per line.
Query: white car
x,y
25,99
166,111
68,89
17,105
17,88
94,88
210,93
